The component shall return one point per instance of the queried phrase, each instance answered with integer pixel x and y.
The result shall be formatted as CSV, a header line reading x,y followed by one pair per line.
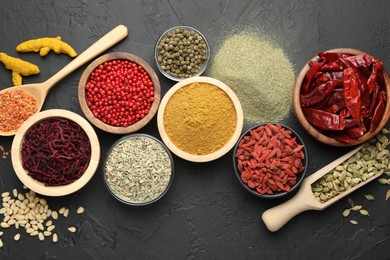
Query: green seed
x,y
383,181
364,212
387,194
356,208
346,212
369,197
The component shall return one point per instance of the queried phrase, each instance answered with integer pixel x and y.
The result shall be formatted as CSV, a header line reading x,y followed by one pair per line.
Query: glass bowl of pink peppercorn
x,y
119,93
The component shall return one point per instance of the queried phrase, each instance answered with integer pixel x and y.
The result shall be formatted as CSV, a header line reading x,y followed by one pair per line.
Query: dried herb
x,y
56,152
138,169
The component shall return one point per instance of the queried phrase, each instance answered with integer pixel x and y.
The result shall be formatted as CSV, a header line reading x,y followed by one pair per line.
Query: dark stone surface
x,y
206,214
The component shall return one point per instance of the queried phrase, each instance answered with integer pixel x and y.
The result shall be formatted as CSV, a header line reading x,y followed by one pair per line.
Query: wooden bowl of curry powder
x,y
200,119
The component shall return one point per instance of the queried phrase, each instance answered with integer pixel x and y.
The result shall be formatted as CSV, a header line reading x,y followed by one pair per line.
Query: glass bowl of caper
x,y
182,52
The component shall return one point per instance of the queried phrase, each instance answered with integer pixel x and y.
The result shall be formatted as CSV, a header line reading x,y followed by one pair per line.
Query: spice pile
x,y
31,213
119,92
138,169
343,95
269,159
182,52
371,160
200,118
56,151
260,74
16,107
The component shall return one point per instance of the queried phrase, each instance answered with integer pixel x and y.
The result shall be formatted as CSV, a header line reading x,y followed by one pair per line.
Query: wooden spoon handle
x,y
107,41
276,217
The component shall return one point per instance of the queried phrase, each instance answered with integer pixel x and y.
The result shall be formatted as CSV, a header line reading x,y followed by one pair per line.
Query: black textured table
x,y
206,214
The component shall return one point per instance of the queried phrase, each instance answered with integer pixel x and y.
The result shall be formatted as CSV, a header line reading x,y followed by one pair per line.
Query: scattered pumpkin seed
x,y
383,181
364,212
354,222
369,197
387,194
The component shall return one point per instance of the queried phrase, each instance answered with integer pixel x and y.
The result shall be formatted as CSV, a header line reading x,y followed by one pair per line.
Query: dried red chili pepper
x,y
314,67
333,66
379,111
352,93
323,120
376,66
319,93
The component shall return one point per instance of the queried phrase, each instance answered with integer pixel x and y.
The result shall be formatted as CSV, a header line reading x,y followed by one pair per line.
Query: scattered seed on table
x,y
62,210
50,228
41,236
72,229
80,210
364,212
1,243
17,237
54,214
346,212
66,213
387,194
55,238
369,197
356,208
383,181
354,222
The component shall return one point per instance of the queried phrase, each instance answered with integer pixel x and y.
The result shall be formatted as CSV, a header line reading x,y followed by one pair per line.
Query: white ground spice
x,y
260,74
138,169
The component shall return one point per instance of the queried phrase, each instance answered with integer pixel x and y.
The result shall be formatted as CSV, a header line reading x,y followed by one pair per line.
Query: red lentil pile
x,y
119,92
269,159
15,108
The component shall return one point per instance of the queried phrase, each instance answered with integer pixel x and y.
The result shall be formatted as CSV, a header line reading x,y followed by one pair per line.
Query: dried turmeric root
x,y
19,68
45,45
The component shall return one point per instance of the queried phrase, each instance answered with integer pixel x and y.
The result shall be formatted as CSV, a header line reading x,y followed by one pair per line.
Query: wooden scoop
x,y
40,90
276,217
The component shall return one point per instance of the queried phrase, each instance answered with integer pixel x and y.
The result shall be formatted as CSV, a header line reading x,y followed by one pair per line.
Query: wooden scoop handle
x,y
278,216
107,41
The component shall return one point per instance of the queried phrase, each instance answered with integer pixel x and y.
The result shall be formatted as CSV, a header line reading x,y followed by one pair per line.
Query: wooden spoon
x,y
40,90
276,217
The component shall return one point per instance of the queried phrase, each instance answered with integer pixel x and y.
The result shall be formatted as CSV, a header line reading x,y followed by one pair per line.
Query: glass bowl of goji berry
x,y
119,93
341,97
270,160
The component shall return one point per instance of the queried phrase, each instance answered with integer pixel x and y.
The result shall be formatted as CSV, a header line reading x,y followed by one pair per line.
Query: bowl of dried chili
x,y
270,160
55,152
119,93
341,97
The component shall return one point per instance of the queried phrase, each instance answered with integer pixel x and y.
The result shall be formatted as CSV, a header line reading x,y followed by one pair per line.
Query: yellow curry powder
x,y
200,118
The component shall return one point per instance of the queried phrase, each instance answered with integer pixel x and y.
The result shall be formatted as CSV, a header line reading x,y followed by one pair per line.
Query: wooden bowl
x,y
100,124
194,157
37,186
312,130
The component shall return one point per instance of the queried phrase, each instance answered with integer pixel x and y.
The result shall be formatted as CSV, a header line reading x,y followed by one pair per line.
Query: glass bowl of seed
x,y
138,169
182,52
270,160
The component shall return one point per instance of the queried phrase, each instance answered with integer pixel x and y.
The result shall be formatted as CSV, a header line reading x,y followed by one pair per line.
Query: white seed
x,y
41,236
50,228
20,217
5,205
31,205
54,214
9,211
1,243
35,227
72,229
40,226
15,192
22,206
55,238
66,213
3,210
33,222
30,230
25,202
62,210
6,199
47,233
28,225
34,233
4,225
5,194
80,210
1,233
22,222
43,201
49,223
48,213
20,196
36,200
17,237
6,218
11,222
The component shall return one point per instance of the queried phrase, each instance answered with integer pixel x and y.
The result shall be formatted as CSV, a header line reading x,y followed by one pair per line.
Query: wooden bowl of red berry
x,y
55,152
341,97
119,93
270,160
